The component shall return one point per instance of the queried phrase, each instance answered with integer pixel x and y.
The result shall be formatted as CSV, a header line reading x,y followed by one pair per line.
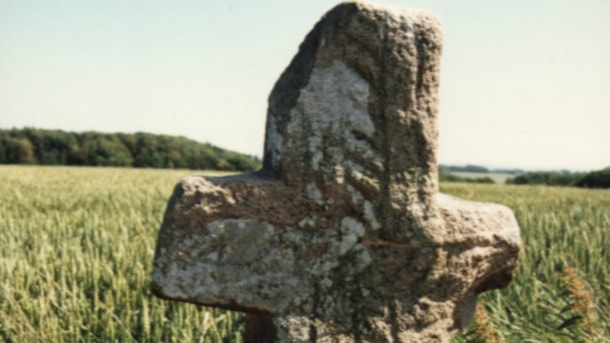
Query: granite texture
x,y
342,236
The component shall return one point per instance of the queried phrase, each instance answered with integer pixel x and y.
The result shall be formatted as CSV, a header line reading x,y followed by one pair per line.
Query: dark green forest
x,y
594,179
140,150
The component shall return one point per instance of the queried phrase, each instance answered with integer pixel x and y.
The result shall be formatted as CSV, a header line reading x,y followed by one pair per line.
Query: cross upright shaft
x,y
342,236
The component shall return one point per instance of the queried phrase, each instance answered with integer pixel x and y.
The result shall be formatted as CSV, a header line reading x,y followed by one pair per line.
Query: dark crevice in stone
x,y
394,320
313,330
260,328
381,108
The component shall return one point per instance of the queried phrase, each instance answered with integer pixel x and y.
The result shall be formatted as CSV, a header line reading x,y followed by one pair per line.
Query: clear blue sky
x,y
523,83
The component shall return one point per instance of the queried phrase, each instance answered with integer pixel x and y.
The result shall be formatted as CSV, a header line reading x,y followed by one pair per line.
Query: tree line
x,y
445,176
140,150
473,168
594,179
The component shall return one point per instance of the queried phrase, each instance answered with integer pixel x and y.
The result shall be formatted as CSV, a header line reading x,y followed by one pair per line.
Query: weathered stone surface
x,y
342,236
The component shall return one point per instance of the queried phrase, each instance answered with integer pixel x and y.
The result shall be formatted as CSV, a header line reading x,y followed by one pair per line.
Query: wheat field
x,y
76,247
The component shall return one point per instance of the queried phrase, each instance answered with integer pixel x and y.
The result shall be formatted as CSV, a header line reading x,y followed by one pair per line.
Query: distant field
x,y
76,247
498,178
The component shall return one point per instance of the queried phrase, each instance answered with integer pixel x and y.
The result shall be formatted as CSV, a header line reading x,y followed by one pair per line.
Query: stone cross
x,y
342,236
